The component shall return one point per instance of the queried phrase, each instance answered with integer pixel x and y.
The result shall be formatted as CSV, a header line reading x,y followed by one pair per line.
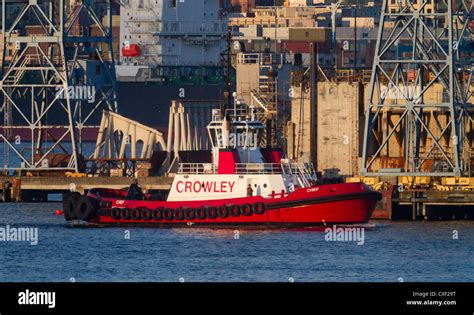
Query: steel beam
x,y
440,56
47,86
31,83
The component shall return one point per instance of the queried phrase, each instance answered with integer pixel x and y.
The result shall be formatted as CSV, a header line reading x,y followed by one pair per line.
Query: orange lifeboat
x,y
132,50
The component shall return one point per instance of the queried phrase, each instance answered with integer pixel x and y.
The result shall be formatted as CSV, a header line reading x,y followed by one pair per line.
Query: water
x,y
403,251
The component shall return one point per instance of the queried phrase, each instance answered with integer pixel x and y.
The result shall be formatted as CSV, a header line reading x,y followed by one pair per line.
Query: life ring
x,y
223,212
69,203
146,214
125,214
168,214
179,214
136,214
259,208
211,212
157,214
201,213
234,210
190,214
246,210
115,213
85,208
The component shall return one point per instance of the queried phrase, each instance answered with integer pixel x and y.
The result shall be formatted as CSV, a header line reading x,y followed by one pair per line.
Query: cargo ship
x,y
242,185
169,50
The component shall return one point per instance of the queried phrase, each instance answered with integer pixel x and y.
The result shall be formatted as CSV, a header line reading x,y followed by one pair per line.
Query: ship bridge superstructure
x,y
163,36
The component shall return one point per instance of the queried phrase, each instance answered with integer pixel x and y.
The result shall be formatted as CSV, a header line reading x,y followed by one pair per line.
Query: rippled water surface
x,y
392,251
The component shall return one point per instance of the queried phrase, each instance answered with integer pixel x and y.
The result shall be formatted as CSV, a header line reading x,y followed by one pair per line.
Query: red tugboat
x,y
244,185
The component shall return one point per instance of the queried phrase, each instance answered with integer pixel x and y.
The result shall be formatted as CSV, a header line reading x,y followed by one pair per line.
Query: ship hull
x,y
146,103
149,103
315,206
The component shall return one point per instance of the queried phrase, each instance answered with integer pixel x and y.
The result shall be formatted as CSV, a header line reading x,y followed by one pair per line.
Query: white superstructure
x,y
170,33
238,166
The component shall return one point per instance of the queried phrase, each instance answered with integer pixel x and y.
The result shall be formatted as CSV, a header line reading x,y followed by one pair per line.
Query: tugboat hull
x,y
305,207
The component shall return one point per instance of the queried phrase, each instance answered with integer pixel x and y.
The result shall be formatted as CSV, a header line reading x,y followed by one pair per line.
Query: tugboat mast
x,y
228,95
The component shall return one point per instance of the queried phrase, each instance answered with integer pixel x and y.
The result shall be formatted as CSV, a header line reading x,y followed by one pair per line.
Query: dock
x,y
437,205
425,204
37,188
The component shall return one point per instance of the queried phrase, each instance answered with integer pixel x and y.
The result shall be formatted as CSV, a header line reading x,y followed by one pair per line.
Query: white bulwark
x,y
215,187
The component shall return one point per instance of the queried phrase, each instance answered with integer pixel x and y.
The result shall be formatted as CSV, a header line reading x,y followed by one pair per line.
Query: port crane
x,y
407,132
59,51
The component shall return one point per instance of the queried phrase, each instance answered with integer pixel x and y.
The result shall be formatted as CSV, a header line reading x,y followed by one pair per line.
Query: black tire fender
x,y
157,214
136,214
211,212
246,210
190,214
146,214
125,214
259,208
85,208
201,213
223,212
69,205
168,214
115,213
234,210
179,214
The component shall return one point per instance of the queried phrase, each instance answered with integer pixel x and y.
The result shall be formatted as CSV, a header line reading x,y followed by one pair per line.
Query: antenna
x,y
228,84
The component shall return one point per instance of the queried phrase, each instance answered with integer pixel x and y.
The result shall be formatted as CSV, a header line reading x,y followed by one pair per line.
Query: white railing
x,y
252,58
156,26
304,173
262,59
209,27
258,168
197,168
239,114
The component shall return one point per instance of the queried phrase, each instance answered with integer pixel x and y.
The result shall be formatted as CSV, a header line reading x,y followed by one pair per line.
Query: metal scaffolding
x,y
89,37
424,49
49,95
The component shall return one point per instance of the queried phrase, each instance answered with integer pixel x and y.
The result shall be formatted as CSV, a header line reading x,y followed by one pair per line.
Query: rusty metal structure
x,y
421,47
55,80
